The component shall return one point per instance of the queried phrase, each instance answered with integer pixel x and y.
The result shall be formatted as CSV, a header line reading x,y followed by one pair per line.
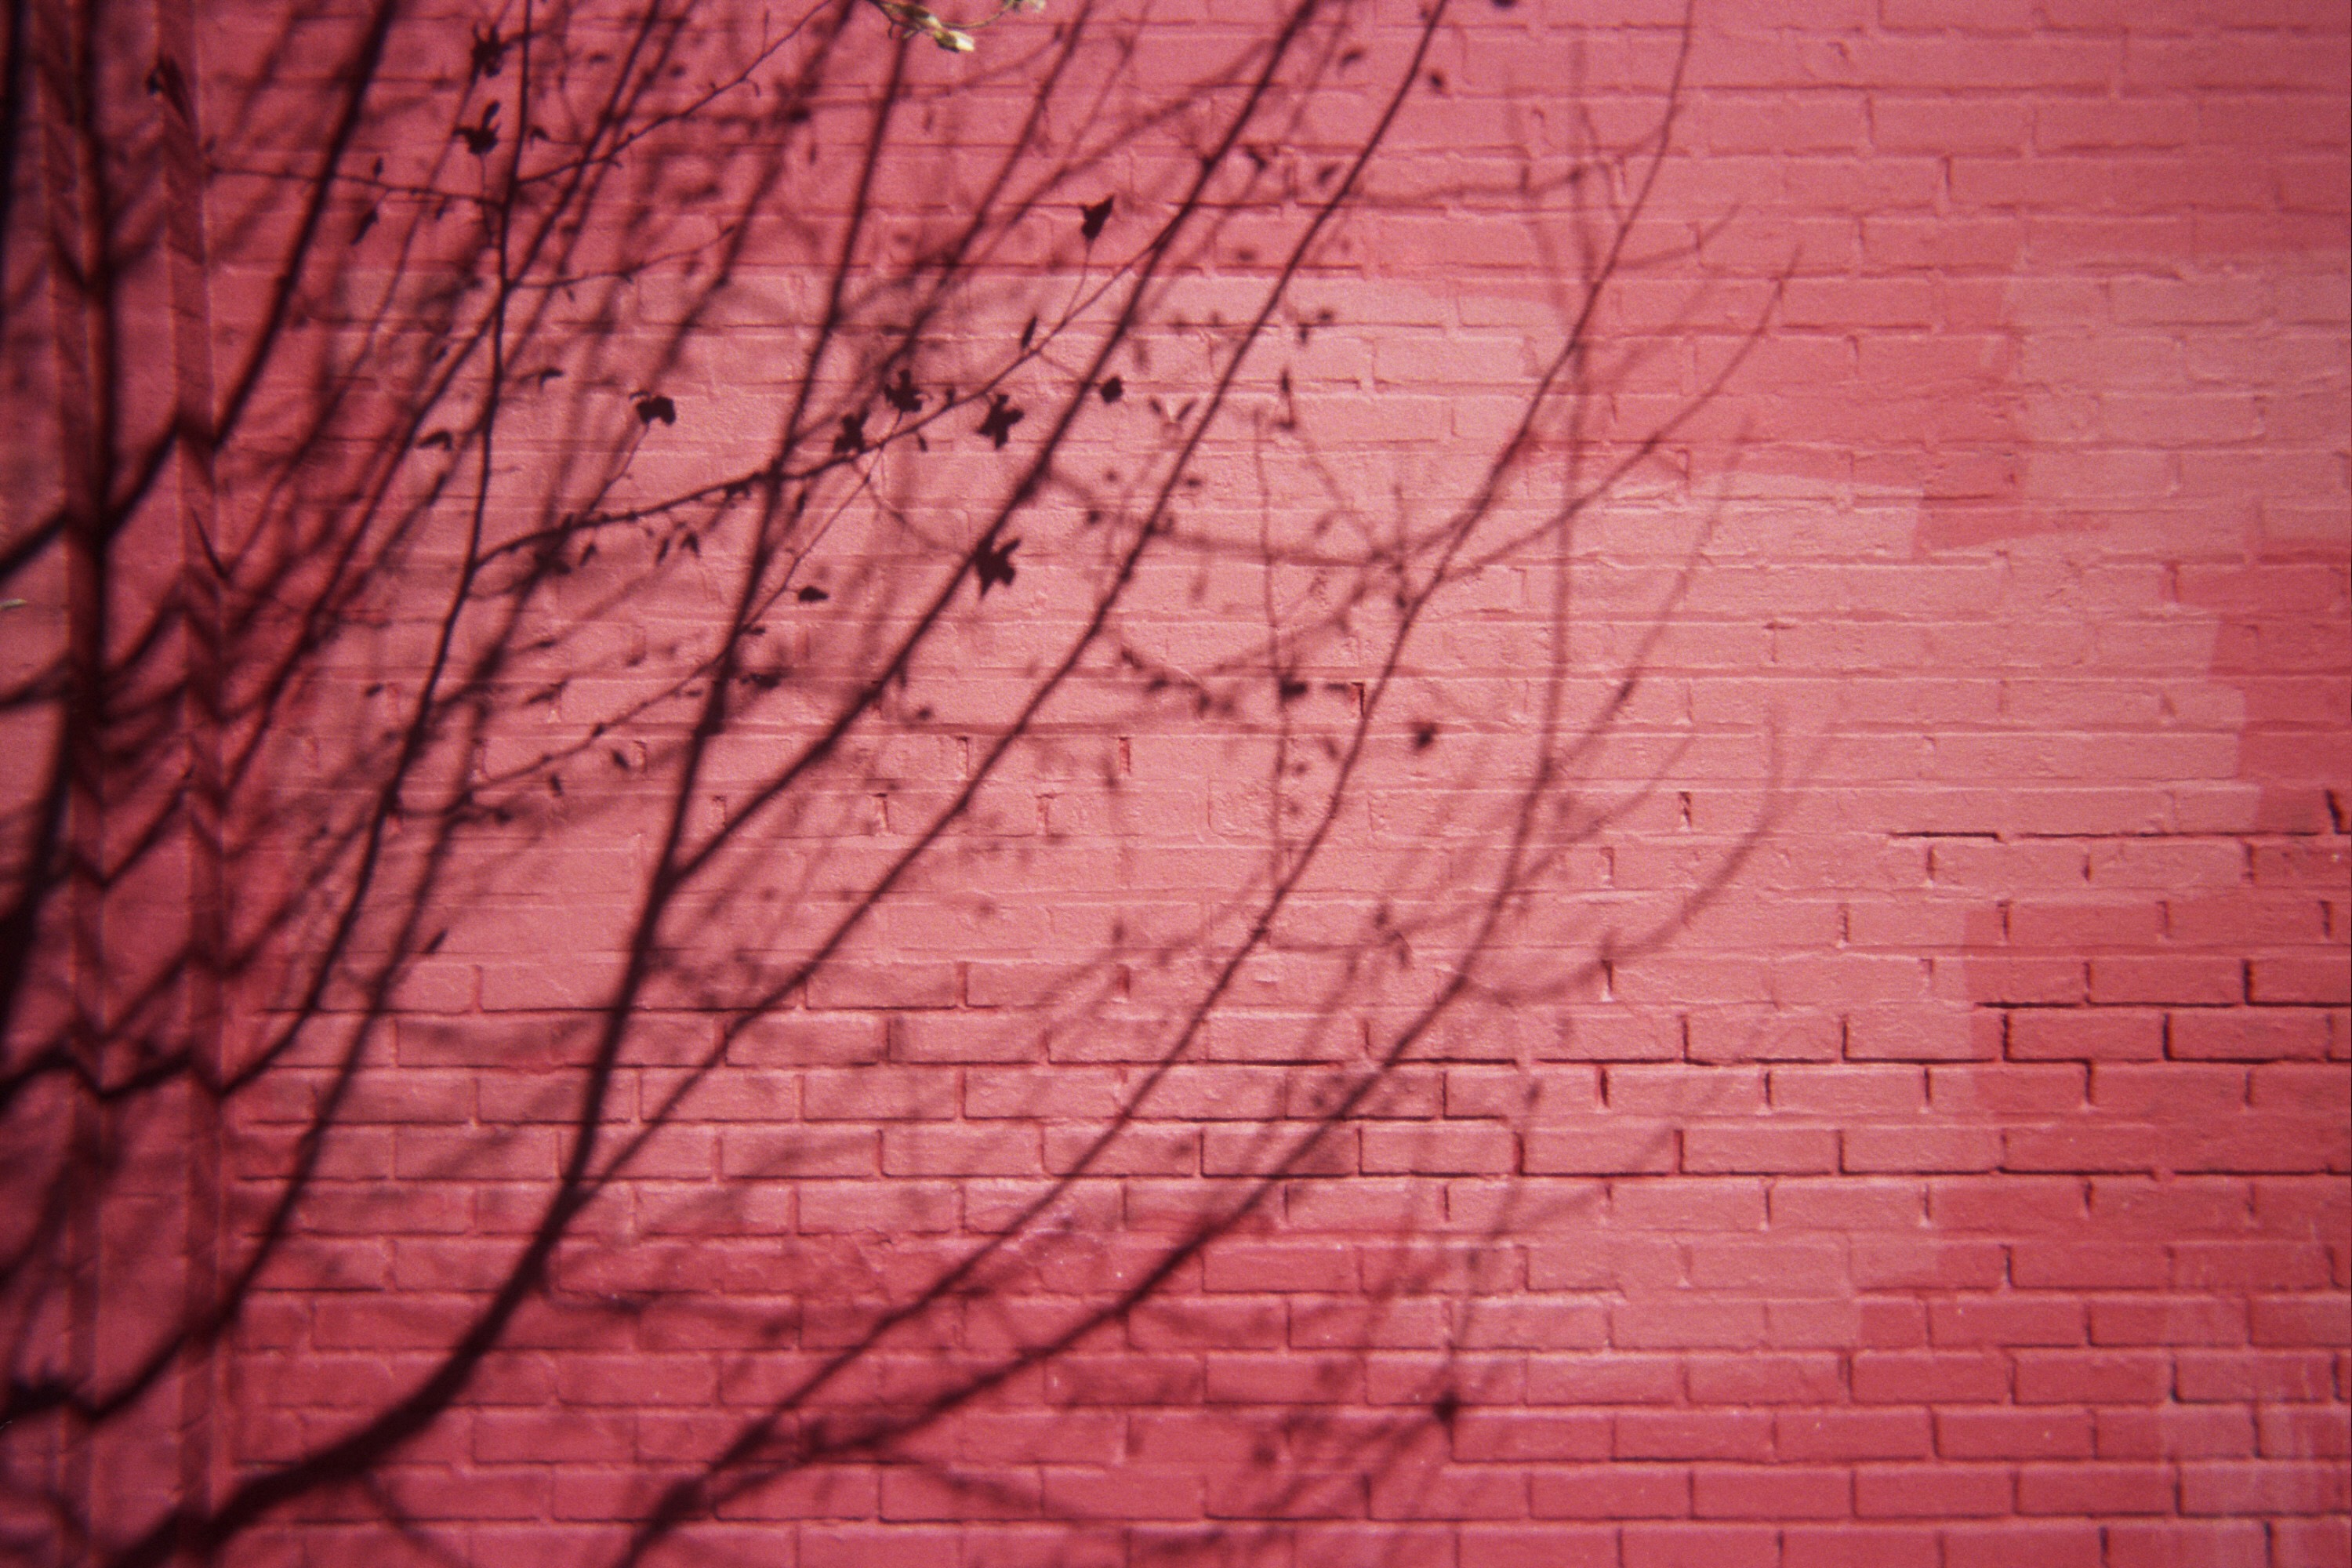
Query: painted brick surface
x,y
1582,801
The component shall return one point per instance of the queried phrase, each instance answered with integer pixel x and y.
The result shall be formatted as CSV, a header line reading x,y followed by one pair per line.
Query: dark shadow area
x,y
738,782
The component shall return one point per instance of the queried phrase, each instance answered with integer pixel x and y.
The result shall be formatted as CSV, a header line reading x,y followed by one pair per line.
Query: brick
x,y
1907,1033
2235,1376
1844,1202
1929,1377
2298,1087
1881,303
2019,1320
2009,1205
2031,983
948,1038
1995,1434
2075,927
2248,1034
1860,1546
1829,1323
2319,863
1439,1151
2165,1210
2086,1377
2175,1432
2263,1487
2321,1543
1616,1491
1856,1434
1537,1324
1608,1148
2317,1208
1680,1092
2095,1488
2304,1432
890,984
1848,1093
884,1208
1881,1264
1336,1546
2314,1319
1767,1379
2205,981
2054,1544
2161,1093
2242,1266
962,1150
877,1093
1713,1204
1793,1267
2035,1265
1770,1492
635,1379
1924,1149
1522,1436
2091,1145
1280,1266
1291,1378
1182,1324
1693,1435
1137,1150
1700,1546
1434,1492
2086,1033
2326,981
1604,1380
2051,1090
1385,1206
1220,1094
2176,1543
1544,1546
1700,1322
1934,1491
807,1039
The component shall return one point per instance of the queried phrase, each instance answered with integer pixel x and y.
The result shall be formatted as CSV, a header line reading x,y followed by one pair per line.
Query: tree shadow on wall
x,y
739,793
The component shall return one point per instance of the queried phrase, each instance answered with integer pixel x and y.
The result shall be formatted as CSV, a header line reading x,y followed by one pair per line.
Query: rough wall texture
x,y
1580,802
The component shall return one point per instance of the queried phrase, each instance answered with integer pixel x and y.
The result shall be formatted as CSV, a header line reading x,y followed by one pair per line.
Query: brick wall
x,y
1580,802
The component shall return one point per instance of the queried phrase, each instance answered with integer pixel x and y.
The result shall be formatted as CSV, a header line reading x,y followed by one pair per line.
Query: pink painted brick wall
x,y
1386,944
